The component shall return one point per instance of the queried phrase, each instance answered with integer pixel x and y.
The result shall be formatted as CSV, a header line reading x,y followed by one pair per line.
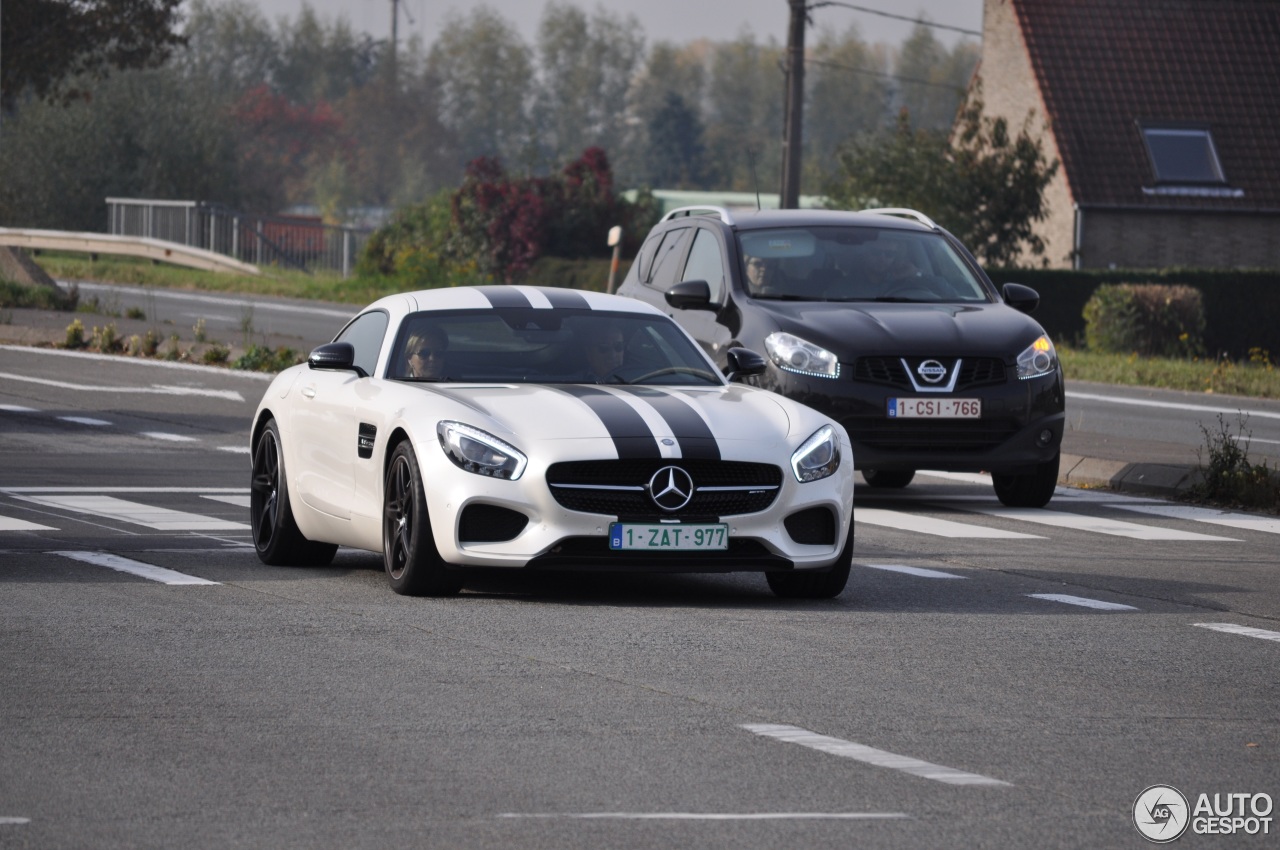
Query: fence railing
x,y
299,242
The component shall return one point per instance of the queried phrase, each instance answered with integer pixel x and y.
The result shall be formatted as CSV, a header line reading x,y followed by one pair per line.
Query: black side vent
x,y
364,443
812,527
490,524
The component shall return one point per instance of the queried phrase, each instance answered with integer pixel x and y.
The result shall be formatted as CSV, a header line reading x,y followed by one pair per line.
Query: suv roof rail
x,y
906,213
703,209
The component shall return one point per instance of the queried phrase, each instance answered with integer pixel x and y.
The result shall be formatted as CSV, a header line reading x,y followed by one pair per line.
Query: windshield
x,y
854,264
528,346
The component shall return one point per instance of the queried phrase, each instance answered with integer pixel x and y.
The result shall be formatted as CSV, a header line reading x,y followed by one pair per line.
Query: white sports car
x,y
539,428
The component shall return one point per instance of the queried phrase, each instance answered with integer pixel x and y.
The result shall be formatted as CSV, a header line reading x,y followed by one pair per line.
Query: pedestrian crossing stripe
x,y
13,524
160,519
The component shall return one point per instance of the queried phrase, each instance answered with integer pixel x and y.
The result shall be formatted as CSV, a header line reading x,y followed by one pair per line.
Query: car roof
x,y
512,295
761,219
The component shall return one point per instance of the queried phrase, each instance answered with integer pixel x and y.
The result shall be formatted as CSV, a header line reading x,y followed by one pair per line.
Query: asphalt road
x,y
990,678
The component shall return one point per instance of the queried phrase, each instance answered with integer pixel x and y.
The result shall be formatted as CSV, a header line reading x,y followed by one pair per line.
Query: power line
x,y
918,21
886,75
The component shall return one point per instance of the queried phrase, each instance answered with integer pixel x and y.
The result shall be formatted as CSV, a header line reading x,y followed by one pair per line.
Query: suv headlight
x,y
1040,358
480,452
801,356
818,457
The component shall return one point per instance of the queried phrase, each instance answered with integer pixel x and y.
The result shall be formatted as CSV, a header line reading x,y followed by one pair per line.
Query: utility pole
x,y
791,141
395,40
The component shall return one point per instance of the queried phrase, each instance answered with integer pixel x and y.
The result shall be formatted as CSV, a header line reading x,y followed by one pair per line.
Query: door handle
x,y
309,392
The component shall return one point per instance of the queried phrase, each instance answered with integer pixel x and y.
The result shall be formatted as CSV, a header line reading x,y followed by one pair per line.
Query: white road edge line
x,y
14,821
912,571
137,568
1067,599
154,389
1169,405
714,815
869,755
1247,631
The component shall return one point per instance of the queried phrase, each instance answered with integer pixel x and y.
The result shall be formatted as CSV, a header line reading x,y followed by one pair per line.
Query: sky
x,y
678,21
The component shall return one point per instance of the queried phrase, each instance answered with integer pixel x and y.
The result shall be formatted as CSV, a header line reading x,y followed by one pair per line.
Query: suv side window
x,y
365,334
644,260
667,264
706,263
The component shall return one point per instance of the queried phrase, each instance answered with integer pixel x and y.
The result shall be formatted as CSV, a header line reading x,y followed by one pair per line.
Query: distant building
x,y
1165,116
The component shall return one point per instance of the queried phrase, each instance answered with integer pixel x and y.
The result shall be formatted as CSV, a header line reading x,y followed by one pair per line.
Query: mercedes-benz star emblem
x,y
671,488
931,371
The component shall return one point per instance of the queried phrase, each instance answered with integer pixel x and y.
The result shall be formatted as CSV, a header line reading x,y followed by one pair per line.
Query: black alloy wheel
x,y
815,584
275,534
414,566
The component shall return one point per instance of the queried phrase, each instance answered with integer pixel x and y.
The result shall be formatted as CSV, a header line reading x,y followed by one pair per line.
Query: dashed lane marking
x,y
137,568
1082,601
869,755
84,420
722,816
1247,631
171,438
921,572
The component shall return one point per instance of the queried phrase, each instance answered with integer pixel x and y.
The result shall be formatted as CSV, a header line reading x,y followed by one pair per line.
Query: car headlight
x,y
818,457
480,452
798,355
1040,358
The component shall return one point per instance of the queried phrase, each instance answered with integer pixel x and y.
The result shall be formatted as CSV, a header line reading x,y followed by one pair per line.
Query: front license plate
x,y
935,408
667,538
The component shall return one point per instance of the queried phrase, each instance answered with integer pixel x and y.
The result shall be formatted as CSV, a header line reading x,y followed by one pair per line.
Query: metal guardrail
x,y
299,242
129,246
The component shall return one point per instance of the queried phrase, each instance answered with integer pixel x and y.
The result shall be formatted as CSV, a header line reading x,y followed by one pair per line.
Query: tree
x,y
672,74
983,185
744,115
932,79
677,154
848,92
51,47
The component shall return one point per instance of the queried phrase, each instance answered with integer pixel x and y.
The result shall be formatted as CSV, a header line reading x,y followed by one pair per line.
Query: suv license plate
x,y
935,408
667,538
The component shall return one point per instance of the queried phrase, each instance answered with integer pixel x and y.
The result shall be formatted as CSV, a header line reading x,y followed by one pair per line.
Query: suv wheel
x,y
1032,490
888,478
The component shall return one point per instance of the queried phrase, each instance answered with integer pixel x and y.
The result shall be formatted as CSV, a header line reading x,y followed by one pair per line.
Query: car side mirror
x,y
339,356
690,295
1020,297
743,363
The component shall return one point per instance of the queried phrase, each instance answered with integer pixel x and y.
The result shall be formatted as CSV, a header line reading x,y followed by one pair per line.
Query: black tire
x,y
1032,490
275,535
815,584
414,566
884,479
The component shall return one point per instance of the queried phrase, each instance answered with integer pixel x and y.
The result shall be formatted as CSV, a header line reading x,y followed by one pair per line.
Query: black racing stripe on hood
x,y
566,299
506,297
690,430
632,437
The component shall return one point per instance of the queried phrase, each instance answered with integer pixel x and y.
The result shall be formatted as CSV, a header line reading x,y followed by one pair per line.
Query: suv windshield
x,y
854,264
538,346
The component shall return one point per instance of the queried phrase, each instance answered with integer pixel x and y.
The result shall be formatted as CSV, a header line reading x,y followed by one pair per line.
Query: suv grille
x,y
974,371
588,486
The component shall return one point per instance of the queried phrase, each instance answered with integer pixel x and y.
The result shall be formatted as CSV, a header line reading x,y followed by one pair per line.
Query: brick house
x,y
1165,116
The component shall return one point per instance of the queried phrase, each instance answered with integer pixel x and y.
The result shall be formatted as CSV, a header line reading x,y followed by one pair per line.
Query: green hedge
x,y
1242,308
574,274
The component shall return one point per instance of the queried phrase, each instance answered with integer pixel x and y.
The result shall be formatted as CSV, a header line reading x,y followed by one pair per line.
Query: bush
x,y
1149,319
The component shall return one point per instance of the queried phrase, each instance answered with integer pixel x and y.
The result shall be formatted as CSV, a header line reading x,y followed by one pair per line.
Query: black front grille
x,y
490,524
889,371
812,527
633,474
593,553
931,435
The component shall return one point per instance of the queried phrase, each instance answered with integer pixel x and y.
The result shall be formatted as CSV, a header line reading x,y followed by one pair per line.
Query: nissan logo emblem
x,y
671,488
931,371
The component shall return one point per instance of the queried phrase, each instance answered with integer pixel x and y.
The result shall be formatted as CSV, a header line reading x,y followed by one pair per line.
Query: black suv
x,y
880,319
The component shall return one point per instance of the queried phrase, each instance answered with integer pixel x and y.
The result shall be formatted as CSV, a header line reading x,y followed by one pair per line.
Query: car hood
x,y
687,416
903,329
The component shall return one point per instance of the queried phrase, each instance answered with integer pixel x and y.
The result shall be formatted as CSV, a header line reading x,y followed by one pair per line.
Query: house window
x,y
1183,155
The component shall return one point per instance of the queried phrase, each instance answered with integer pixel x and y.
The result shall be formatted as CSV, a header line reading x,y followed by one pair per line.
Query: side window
x,y
644,261
705,262
365,334
667,264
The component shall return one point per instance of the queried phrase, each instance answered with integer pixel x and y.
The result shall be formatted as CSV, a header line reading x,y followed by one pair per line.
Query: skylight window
x,y
1183,155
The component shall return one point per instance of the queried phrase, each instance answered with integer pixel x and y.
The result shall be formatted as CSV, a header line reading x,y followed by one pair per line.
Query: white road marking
x,y
912,571
237,500
240,450
964,477
869,755
197,490
1097,525
172,438
14,821
936,527
161,519
1232,628
137,568
1169,405
714,815
84,420
1082,601
11,524
17,408
154,389
1248,522
144,362
223,301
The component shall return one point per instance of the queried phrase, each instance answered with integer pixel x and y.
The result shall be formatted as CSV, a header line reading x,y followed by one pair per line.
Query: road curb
x,y
1149,478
